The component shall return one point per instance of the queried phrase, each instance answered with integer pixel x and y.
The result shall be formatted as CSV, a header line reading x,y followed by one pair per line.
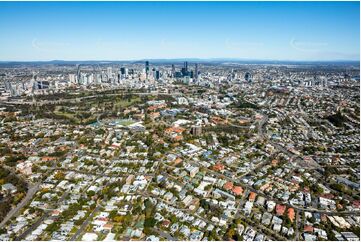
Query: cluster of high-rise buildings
x,y
185,72
115,75
33,80
90,75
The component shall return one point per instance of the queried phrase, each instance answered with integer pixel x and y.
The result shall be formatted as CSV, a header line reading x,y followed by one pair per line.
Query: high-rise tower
x,y
173,70
196,72
147,68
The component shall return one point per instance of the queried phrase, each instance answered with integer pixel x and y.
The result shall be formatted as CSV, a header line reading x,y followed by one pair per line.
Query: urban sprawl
x,y
179,151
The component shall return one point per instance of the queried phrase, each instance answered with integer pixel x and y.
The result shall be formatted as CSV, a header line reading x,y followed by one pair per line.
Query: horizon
x,y
192,59
133,31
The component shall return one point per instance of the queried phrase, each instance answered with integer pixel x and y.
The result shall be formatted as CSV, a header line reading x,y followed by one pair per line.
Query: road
x,y
270,233
85,223
29,195
165,234
41,219
14,212
90,217
103,174
294,157
298,225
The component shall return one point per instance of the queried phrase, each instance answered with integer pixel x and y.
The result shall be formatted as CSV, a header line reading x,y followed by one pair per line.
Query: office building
x,y
196,72
157,74
147,68
248,77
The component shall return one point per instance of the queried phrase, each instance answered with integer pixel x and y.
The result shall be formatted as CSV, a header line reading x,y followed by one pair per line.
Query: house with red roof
x,y
48,158
218,167
308,228
280,209
252,196
166,223
274,162
291,214
356,203
228,185
237,190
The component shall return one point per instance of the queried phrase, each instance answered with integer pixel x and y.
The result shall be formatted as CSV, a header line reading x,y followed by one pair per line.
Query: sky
x,y
322,31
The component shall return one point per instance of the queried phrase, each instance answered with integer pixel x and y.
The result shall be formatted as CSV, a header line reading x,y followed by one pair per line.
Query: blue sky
x,y
138,30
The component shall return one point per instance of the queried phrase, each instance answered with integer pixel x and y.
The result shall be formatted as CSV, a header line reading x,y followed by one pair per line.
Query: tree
x,y
213,235
204,204
59,175
287,222
312,219
149,222
118,219
53,227
112,214
149,208
173,218
148,140
230,233
91,193
12,160
316,189
338,187
137,209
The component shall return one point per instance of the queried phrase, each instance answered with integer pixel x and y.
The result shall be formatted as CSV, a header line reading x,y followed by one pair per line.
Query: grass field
x,y
72,116
115,104
124,103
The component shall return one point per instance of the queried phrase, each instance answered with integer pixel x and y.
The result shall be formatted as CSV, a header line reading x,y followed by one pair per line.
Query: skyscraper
x,y
185,69
196,72
109,73
7,85
147,68
173,70
157,74
248,77
72,78
78,73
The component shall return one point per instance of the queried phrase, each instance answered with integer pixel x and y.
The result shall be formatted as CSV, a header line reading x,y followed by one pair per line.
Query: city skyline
x,y
297,31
